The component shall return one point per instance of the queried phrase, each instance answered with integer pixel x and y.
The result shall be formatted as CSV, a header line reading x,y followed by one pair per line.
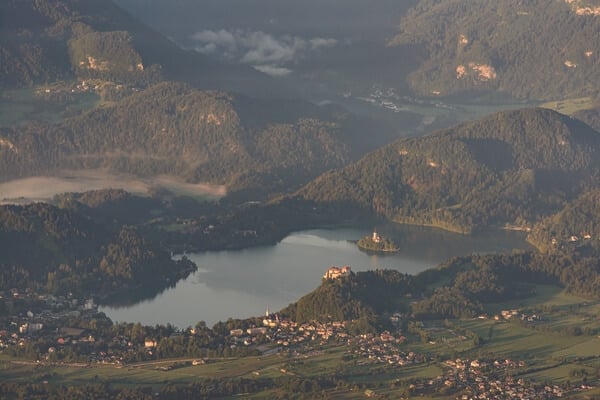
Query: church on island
x,y
377,244
376,238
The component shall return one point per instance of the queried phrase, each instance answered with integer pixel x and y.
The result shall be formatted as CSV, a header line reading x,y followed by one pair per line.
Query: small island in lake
x,y
377,244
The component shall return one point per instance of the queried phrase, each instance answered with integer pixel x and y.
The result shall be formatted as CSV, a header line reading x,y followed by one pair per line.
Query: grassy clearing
x,y
548,346
514,341
570,106
172,227
13,113
21,106
143,374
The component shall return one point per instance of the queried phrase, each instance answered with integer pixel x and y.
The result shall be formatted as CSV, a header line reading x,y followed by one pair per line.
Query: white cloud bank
x,y
268,54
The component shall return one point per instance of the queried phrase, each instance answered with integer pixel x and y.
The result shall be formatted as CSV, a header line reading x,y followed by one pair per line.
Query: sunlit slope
x,y
533,49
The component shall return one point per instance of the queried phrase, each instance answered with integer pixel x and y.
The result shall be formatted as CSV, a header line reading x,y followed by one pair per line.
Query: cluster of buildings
x,y
337,272
286,332
390,99
19,325
384,349
510,314
489,379
571,238
43,319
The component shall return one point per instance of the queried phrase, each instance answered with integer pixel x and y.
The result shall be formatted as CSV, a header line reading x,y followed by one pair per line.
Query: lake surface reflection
x,y
242,283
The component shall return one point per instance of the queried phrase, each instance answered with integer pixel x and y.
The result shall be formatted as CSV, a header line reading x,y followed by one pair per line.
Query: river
x,y
243,283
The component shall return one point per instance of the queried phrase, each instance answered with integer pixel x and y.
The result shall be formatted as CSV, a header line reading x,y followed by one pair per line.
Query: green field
x,y
549,353
570,106
22,106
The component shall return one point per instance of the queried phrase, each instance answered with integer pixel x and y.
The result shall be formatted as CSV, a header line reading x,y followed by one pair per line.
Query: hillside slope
x,y
576,225
44,41
63,250
172,128
509,168
533,49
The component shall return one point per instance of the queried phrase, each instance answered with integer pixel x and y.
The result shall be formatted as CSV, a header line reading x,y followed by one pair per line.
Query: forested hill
x,y
61,250
513,168
458,288
531,49
575,226
45,40
172,128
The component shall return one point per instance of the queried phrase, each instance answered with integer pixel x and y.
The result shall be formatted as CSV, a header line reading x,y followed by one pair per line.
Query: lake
x,y
243,283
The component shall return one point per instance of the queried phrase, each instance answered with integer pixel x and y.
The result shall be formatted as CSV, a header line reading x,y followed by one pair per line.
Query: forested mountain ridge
x,y
509,168
535,49
172,128
42,41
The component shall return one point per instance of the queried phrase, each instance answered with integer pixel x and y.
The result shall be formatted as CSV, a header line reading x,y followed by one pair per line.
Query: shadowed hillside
x,y
509,168
43,41
200,136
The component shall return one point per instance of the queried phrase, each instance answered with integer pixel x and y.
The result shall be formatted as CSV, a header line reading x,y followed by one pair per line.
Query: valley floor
x,y
538,346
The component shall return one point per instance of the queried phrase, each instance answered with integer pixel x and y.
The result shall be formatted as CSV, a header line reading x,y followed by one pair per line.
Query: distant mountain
x,y
511,168
528,49
44,41
172,128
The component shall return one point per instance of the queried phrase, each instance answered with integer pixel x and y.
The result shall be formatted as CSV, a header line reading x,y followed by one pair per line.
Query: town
x,y
55,330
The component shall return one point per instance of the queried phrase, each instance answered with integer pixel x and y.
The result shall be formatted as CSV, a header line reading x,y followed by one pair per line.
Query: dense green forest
x,y
576,226
590,117
459,288
62,250
513,168
361,297
533,49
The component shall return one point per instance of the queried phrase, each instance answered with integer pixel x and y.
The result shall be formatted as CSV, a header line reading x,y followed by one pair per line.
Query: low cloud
x,y
265,52
272,70
317,43
222,39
